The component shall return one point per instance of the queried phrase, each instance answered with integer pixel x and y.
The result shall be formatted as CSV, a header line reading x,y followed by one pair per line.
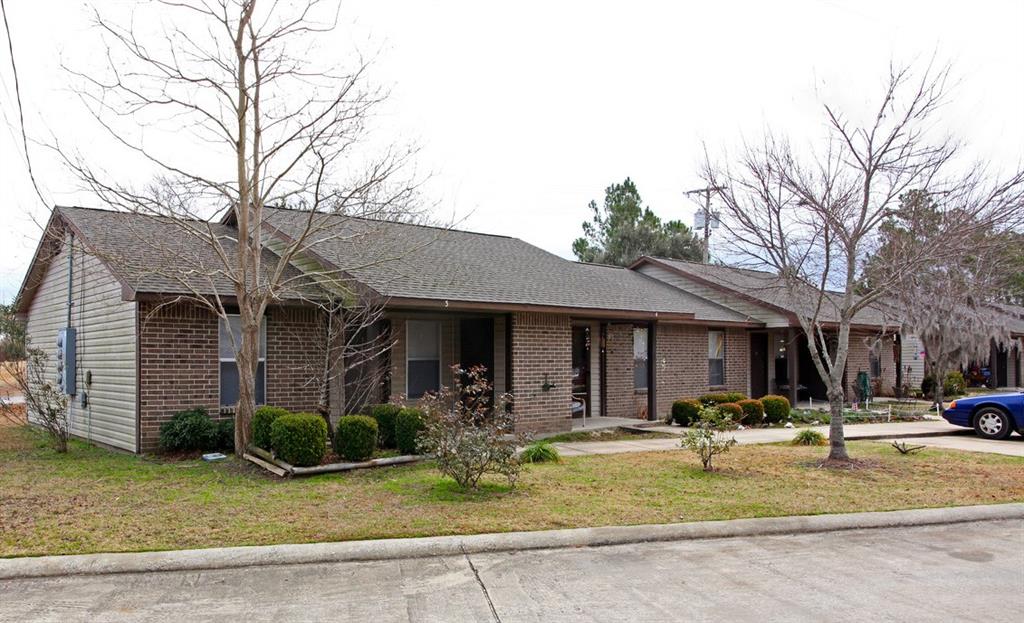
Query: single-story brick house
x,y
566,339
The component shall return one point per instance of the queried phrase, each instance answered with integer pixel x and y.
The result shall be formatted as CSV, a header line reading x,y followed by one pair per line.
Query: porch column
x,y
993,366
792,361
652,367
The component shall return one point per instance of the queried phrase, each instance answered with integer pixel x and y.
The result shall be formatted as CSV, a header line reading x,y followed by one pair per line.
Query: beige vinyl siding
x,y
106,346
754,311
913,362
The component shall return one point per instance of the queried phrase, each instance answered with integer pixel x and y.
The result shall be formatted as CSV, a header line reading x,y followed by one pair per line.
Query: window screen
x,y
716,358
640,357
230,339
423,357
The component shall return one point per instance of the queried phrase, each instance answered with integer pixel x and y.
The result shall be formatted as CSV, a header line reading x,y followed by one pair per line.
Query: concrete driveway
x,y
1014,446
969,571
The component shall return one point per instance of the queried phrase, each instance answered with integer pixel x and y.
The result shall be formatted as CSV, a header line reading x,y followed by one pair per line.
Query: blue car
x,y
992,416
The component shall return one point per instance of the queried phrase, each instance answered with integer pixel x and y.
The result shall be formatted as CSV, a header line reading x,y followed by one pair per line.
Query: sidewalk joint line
x,y
479,581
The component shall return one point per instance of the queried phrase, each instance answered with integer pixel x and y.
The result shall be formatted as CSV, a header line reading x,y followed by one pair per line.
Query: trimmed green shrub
x,y
299,438
385,415
954,384
710,400
734,397
262,420
753,411
355,439
188,431
776,408
685,412
733,410
224,432
408,425
540,452
809,437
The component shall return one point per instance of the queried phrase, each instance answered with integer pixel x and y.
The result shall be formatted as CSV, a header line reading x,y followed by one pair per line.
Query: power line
x,y
17,97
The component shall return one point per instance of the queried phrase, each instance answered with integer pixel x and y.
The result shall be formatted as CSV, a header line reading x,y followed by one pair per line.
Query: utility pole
x,y
705,217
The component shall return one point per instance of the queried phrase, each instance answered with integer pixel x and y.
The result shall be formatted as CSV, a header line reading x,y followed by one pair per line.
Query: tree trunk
x,y
836,439
247,360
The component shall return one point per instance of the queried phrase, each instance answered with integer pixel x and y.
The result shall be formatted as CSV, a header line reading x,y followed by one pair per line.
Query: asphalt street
x,y
962,572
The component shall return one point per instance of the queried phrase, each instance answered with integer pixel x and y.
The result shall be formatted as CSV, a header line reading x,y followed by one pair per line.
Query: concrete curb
x,y
390,549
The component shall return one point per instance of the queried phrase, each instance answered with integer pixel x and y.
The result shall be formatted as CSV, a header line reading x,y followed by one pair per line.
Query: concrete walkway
x,y
759,435
954,572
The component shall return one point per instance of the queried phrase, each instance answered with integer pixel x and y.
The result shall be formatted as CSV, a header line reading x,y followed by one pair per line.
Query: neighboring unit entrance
x,y
581,371
758,364
476,339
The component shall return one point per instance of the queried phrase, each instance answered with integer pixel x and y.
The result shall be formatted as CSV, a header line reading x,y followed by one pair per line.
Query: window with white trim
x,y
422,357
716,357
230,338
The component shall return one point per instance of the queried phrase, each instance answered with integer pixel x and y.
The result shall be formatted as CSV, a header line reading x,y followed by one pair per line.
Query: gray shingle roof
x,y
155,254
770,289
419,262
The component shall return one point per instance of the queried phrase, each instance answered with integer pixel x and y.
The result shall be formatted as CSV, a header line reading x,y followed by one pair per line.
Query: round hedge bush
x,y
753,411
262,420
299,438
408,425
385,415
356,437
710,400
733,410
685,412
188,431
734,397
776,408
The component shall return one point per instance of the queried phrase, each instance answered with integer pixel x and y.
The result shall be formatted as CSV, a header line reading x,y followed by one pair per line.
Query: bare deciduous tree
x,y
814,217
268,124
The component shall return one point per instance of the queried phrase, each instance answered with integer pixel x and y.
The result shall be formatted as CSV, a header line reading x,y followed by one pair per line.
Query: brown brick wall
x,y
682,358
542,351
179,368
622,399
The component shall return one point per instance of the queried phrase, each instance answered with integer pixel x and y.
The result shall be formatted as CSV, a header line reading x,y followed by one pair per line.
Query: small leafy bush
x,y
188,431
733,410
408,427
753,411
776,408
710,400
224,433
540,452
299,438
954,384
809,437
685,412
735,396
707,436
469,435
262,420
356,437
385,415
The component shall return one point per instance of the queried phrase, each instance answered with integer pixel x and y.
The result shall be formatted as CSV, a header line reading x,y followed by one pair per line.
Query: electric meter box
x,y
66,360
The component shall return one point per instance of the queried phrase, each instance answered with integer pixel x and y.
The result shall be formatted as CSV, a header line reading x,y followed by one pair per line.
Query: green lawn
x,y
92,500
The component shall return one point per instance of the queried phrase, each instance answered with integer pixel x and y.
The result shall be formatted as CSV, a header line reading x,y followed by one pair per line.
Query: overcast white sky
x,y
526,111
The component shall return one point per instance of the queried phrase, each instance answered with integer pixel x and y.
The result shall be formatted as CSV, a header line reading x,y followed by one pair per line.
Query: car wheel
x,y
992,423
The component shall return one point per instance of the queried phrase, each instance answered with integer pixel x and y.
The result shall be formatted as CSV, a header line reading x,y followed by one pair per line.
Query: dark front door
x,y
758,364
1002,360
581,371
476,338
